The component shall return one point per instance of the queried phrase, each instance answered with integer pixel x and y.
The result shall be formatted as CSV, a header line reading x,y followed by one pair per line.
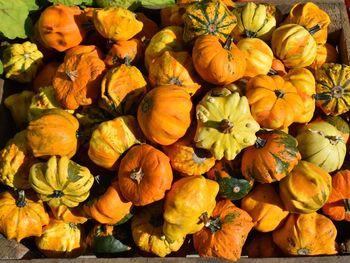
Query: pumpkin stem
x,y
72,225
205,219
314,29
260,142
347,205
21,200
303,251
137,175
57,194
272,72
213,224
72,74
175,81
322,96
127,61
279,93
226,126
228,43
332,138
250,34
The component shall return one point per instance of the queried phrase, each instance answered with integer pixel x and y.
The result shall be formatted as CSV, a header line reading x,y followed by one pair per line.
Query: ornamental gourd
x,y
262,246
326,53
69,214
333,88
265,207
225,232
322,144
225,125
218,63
273,156
21,61
144,175
305,189
147,231
208,17
164,114
60,181
21,216
125,52
187,200
306,235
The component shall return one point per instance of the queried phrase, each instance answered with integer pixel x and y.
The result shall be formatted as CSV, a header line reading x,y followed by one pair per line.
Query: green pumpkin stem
x,y
314,29
347,205
272,72
250,34
260,142
137,175
57,194
226,126
127,61
21,200
228,43
213,224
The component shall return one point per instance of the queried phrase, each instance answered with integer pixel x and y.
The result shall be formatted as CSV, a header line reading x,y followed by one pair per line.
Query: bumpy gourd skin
x,y
186,201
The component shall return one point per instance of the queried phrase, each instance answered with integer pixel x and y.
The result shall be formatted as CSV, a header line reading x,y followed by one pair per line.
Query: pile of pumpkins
x,y
217,125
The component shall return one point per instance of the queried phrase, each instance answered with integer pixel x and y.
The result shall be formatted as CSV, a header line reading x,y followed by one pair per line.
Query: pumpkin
x,y
187,200
273,156
21,216
277,67
232,185
338,204
84,49
18,104
125,51
255,20
208,17
61,27
225,125
174,68
265,207
186,158
149,29
338,122
144,175
110,207
167,39
45,139
173,15
45,75
15,162
147,231
325,54
116,23
332,88
259,56
122,89
274,102
60,181
225,232
77,80
21,61
216,63
262,246
69,214
306,235
322,144
294,45
310,15
305,189
61,240
164,114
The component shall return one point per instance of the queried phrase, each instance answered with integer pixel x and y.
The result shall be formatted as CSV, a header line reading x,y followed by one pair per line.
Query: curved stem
x,y
260,142
347,205
226,126
314,29
250,34
228,43
137,175
21,200
272,72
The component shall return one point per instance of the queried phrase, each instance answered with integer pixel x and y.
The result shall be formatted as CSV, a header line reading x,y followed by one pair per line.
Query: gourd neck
x,y
213,224
347,205
314,29
21,200
137,175
260,142
226,126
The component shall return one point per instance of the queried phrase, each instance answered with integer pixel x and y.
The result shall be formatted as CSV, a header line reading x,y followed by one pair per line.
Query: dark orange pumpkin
x,y
125,51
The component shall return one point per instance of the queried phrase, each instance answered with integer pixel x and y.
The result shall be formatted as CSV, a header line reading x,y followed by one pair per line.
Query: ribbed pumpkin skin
x,y
294,45
208,17
306,189
333,88
272,157
226,241
306,235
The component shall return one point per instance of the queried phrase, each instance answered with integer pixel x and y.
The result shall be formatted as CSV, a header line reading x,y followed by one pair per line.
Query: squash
x,y
174,68
332,88
224,123
125,52
164,114
15,162
84,49
116,23
147,231
273,156
187,200
225,232
21,61
173,15
255,20
61,27
45,75
61,240
322,144
325,54
306,235
259,56
45,139
339,123
208,17
60,181
277,68
265,207
111,139
262,246
21,216
122,89
232,185
149,29
144,175
338,204
74,215
294,45
216,63
305,189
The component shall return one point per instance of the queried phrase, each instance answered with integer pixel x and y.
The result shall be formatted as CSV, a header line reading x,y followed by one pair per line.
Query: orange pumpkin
x,y
277,67
149,29
84,49
262,246
144,175
69,214
164,114
216,63
125,51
